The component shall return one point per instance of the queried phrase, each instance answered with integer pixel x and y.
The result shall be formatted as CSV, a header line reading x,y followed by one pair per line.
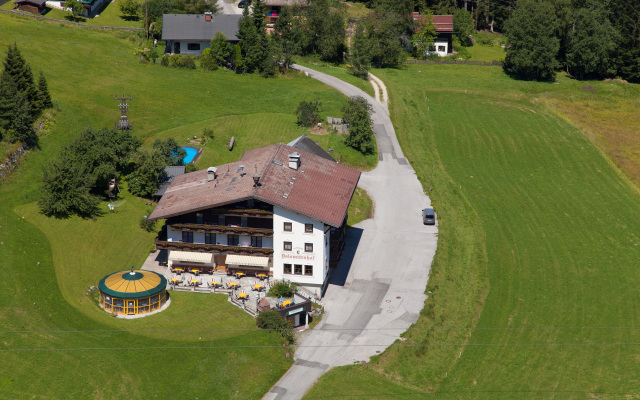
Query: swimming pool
x,y
191,152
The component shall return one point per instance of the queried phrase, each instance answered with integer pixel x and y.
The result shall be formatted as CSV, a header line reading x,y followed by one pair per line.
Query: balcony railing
x,y
201,247
223,229
250,212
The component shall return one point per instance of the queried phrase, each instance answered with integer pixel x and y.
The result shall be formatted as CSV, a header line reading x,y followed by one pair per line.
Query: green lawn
x,y
360,208
537,246
483,52
201,346
109,16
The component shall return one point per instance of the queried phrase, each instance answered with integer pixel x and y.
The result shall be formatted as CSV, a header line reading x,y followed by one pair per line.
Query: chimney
x,y
211,173
294,160
208,15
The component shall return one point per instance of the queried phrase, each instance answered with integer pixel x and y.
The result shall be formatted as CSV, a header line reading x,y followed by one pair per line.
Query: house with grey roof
x,y
165,180
305,143
192,33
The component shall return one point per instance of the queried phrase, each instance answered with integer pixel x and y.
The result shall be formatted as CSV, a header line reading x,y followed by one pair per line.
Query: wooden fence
x,y
463,62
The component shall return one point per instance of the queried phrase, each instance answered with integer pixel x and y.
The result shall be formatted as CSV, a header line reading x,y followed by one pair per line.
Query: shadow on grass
x,y
130,17
352,240
71,18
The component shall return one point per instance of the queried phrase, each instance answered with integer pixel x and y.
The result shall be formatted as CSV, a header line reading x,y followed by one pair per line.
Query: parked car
x,y
241,4
428,216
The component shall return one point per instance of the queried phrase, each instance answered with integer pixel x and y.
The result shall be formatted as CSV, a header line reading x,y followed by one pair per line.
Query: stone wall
x,y
11,162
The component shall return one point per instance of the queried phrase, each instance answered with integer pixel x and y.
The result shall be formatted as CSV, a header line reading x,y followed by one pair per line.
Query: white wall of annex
x,y
298,238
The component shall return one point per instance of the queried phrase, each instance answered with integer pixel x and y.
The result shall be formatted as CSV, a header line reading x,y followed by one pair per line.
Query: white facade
x,y
441,48
307,268
183,46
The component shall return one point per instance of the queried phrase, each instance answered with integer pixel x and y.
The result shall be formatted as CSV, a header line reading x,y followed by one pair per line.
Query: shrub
x,y
208,61
208,133
282,289
271,319
146,225
178,61
164,61
308,112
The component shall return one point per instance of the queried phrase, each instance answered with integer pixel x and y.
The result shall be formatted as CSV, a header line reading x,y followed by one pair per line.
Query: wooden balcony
x,y
247,212
233,230
208,248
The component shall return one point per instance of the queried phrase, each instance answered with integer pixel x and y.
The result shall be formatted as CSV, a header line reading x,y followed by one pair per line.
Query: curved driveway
x,y
377,291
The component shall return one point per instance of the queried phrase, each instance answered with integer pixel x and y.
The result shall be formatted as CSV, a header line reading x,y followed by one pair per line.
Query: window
x,y
199,218
287,227
297,269
210,238
287,246
233,240
308,247
308,228
193,46
256,241
308,269
287,268
442,49
187,237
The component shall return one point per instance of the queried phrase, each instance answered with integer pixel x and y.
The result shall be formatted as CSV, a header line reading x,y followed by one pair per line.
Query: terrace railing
x,y
448,61
207,248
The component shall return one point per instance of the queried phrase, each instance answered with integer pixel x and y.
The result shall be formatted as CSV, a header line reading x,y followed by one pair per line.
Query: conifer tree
x,y
286,38
21,126
21,73
8,93
43,92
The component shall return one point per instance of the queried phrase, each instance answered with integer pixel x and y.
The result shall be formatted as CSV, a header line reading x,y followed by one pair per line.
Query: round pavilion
x,y
133,293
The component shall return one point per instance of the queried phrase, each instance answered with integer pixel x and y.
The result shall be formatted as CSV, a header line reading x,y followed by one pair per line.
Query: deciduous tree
x,y
532,45
592,43
357,113
360,51
148,165
425,36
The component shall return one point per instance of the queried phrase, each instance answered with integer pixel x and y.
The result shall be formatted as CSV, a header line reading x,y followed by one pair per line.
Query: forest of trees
x,y
590,39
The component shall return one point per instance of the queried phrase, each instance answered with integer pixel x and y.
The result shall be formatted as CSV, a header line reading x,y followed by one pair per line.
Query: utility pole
x,y
477,8
124,124
146,18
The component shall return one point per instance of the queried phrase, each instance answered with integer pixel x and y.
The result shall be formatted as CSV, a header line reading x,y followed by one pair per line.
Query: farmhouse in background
x,y
444,27
192,33
32,6
274,8
279,211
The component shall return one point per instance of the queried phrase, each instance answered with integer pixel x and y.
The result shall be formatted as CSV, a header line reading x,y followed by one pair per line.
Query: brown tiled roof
x,y
443,23
319,188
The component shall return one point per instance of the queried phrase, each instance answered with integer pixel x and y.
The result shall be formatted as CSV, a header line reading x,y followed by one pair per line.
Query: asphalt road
x,y
228,7
378,290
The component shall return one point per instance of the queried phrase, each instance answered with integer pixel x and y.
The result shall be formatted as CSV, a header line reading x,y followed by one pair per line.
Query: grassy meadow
x,y
201,346
534,287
